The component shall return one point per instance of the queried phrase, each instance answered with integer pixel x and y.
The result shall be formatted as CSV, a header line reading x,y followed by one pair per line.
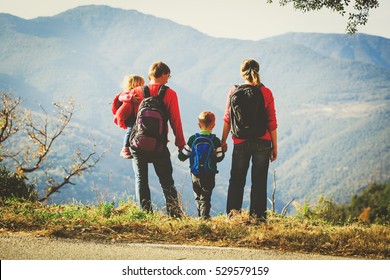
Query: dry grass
x,y
128,224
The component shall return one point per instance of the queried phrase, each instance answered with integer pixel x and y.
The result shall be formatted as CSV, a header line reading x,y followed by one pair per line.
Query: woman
x,y
260,149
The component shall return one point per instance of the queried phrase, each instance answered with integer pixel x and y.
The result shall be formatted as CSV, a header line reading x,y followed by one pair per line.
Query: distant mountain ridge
x,y
332,95
359,47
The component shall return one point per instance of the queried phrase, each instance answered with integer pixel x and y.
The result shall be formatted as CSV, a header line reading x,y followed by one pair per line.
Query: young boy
x,y
204,150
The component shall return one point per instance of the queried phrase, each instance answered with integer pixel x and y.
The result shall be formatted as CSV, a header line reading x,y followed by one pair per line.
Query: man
x,y
159,73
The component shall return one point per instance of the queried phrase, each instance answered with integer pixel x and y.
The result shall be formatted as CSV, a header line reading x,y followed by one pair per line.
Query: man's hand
x,y
224,146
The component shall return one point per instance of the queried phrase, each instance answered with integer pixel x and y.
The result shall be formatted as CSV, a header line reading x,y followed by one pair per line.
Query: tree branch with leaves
x,y
358,12
42,132
43,135
10,117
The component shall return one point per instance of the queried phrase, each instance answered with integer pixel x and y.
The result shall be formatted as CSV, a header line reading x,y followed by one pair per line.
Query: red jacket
x,y
122,108
269,107
170,101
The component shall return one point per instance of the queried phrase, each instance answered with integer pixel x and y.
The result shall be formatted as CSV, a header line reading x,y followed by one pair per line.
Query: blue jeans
x,y
259,152
126,140
163,167
129,123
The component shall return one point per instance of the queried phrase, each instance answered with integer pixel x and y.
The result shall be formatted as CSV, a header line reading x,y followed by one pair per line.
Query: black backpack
x,y
202,157
149,132
248,117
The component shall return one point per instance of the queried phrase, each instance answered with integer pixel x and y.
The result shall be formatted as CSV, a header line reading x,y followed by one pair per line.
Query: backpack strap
x,y
145,91
162,91
211,136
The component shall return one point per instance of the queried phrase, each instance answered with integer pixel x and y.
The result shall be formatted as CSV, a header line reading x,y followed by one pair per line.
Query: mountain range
x,y
331,91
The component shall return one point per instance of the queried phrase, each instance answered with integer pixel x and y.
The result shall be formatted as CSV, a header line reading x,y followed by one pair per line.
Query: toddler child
x,y
123,109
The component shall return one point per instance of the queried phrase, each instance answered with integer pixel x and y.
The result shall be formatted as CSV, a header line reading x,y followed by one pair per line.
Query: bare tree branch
x,y
9,116
284,210
82,164
41,135
272,200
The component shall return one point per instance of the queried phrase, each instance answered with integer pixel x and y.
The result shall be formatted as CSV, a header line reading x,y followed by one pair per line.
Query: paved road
x,y
19,246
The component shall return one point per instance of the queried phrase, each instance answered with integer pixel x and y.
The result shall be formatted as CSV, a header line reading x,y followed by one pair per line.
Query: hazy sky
x,y
242,19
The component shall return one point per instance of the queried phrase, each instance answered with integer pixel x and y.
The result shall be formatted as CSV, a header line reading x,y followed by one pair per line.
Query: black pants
x,y
203,187
163,167
258,152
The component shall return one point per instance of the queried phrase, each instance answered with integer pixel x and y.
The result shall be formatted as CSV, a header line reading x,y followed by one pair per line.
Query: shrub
x,y
13,185
372,204
329,211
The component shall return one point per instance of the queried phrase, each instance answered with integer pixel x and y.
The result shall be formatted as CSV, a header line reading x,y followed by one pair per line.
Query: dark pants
x,y
259,152
163,167
203,187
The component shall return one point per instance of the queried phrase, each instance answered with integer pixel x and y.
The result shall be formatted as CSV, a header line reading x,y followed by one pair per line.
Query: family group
x,y
250,116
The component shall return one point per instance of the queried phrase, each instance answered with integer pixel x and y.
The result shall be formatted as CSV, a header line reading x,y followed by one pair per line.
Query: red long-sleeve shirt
x,y
171,102
269,108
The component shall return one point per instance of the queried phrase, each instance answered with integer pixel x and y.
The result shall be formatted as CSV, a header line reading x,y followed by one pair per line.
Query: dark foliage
x,y
15,186
374,201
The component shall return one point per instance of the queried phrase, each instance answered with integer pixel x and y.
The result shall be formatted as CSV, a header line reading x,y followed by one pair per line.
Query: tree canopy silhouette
x,y
358,12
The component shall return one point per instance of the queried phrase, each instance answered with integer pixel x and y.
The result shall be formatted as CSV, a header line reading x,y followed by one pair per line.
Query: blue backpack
x,y
202,157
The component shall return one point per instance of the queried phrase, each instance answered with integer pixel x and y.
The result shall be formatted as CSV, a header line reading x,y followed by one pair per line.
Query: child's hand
x,y
135,98
180,157
180,154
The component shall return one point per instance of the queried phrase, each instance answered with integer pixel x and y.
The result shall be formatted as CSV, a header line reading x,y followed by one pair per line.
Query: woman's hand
x,y
274,154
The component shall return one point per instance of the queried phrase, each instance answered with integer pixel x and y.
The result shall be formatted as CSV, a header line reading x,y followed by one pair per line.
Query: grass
x,y
129,224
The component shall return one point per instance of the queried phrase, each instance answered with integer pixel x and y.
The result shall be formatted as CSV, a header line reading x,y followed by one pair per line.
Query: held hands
x,y
224,146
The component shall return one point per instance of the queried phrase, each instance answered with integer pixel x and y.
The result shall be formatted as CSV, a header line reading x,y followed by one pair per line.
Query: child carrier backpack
x,y
202,157
247,112
149,133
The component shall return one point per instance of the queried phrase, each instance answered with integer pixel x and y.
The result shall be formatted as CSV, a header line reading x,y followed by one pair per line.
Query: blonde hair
x,y
132,81
206,119
250,71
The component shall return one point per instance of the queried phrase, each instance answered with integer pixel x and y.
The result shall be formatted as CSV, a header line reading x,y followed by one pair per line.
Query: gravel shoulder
x,y
23,246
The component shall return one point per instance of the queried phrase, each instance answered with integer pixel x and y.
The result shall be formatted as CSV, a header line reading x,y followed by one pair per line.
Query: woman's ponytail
x,y
250,71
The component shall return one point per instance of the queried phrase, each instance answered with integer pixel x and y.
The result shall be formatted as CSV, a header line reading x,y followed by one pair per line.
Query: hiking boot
x,y
125,153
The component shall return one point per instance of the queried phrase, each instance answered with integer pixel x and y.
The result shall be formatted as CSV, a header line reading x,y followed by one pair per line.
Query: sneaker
x,y
125,153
